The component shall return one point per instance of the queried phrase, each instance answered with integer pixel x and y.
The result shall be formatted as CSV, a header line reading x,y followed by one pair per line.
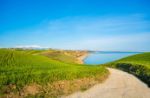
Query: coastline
x,y
82,57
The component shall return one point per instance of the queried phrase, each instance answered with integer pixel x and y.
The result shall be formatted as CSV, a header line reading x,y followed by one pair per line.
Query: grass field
x,y
21,70
138,65
67,56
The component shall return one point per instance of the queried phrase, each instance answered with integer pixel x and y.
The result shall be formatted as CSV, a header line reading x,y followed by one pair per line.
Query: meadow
x,y
138,65
66,56
22,70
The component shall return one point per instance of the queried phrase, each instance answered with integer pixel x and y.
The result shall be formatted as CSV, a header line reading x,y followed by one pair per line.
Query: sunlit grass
x,y
138,65
21,68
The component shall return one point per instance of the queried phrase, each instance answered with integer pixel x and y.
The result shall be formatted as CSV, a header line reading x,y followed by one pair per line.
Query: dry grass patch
x,y
55,89
63,88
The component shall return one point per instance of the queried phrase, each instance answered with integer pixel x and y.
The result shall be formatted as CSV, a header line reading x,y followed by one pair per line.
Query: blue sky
x,y
121,25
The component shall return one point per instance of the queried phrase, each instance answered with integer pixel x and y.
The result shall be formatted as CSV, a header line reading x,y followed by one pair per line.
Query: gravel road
x,y
118,85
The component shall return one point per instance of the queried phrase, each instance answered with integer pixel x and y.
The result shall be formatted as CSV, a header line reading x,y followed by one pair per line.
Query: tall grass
x,y
20,68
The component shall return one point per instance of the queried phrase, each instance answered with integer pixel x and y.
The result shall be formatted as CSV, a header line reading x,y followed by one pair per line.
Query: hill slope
x,y
67,56
138,65
20,71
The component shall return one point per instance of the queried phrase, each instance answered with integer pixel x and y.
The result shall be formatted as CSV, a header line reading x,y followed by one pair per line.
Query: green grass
x,y
21,68
142,59
62,56
138,65
66,56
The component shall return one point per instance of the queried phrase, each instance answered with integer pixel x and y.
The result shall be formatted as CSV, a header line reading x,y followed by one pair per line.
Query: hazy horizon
x,y
116,25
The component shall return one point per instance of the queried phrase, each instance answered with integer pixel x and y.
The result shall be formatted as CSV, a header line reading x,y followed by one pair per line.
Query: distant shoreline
x,y
115,52
82,57
86,54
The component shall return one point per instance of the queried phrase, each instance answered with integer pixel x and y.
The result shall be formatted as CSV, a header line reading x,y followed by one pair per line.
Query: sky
x,y
117,25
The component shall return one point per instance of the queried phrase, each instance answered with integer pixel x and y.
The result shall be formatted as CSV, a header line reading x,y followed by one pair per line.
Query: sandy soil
x,y
118,85
81,58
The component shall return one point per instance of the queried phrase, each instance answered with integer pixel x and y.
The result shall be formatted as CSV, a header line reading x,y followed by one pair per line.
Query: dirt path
x,y
118,85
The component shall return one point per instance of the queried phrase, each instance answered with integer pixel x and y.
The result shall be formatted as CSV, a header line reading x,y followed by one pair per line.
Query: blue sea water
x,y
105,57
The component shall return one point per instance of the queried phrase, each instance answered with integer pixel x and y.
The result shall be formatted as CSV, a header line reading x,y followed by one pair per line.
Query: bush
x,y
142,72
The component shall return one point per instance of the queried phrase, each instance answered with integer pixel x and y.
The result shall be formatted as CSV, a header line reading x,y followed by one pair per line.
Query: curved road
x,y
118,85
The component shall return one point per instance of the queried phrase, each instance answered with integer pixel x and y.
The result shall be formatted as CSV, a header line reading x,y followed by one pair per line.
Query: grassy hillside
x,y
67,56
138,65
21,71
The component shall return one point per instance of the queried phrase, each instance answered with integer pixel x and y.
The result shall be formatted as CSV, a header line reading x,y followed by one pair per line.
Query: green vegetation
x,y
19,68
67,56
138,65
